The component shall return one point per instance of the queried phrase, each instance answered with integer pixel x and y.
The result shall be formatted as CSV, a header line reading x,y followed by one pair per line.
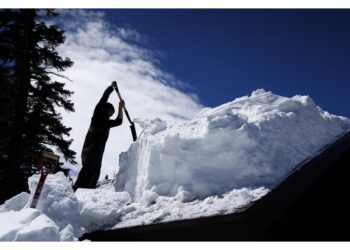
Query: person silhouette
x,y
95,140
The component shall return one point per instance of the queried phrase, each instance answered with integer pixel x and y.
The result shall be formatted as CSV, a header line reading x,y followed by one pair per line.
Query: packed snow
x,y
218,163
253,141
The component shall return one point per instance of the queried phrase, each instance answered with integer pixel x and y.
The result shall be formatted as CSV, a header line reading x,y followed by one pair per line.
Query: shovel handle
x,y
117,90
132,125
120,98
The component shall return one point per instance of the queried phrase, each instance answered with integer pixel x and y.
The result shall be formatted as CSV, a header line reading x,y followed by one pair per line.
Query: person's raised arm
x,y
119,120
106,95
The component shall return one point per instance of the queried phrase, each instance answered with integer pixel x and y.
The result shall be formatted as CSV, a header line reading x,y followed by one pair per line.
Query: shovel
x,y
132,124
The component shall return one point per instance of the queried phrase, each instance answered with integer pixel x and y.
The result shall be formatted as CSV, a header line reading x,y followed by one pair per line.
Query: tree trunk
x,y
15,180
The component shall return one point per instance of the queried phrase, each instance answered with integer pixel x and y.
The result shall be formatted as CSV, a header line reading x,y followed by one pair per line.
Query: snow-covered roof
x,y
254,221
224,160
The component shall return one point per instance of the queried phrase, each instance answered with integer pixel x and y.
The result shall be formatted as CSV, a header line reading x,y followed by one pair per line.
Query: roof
x,y
274,216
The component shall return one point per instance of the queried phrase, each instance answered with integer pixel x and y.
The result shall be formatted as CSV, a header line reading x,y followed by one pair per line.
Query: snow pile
x,y
55,218
58,201
253,141
99,208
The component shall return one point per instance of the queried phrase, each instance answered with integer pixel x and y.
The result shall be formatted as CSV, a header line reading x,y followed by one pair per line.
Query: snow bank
x,y
99,208
253,141
55,218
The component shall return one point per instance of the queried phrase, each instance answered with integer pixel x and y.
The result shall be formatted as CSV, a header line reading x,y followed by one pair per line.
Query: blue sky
x,y
225,54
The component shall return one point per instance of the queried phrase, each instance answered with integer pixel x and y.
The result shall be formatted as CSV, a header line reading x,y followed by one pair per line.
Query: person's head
x,y
109,109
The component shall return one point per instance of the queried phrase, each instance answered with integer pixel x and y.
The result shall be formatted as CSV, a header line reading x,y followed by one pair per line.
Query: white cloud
x,y
132,35
103,53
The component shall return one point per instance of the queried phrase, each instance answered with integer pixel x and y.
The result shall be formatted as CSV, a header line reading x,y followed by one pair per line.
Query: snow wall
x,y
252,141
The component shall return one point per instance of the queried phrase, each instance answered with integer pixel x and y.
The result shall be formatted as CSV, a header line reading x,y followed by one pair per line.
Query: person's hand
x,y
114,84
122,104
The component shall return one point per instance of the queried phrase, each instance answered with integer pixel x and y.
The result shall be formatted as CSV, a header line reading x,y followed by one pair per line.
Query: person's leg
x,y
83,178
85,173
90,172
94,177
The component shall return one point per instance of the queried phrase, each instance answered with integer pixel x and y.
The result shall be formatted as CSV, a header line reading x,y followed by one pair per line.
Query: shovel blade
x,y
133,131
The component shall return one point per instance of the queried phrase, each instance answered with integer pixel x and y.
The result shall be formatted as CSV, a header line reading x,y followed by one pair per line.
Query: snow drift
x,y
253,141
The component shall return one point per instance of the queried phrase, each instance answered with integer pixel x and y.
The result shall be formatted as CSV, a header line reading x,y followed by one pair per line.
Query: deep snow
x,y
219,162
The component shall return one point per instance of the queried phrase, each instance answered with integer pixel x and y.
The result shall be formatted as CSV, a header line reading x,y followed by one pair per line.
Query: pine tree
x,y
29,62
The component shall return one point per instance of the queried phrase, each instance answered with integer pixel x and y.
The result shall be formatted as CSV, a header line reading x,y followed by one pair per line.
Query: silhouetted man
x,y
95,140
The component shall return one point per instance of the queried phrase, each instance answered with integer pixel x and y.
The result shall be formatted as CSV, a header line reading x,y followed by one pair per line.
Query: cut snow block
x,y
16,203
253,141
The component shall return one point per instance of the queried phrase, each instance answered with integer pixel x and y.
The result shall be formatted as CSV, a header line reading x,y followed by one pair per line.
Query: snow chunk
x,y
150,197
67,234
41,228
183,195
16,203
153,126
27,225
253,141
99,208
58,201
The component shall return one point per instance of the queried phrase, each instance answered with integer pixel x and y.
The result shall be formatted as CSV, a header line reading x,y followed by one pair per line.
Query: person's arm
x,y
105,95
103,100
119,120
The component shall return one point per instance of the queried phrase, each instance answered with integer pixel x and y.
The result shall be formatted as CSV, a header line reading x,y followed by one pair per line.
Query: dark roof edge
x,y
272,206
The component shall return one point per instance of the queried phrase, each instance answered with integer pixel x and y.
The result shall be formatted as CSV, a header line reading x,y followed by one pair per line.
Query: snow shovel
x,y
132,124
46,158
